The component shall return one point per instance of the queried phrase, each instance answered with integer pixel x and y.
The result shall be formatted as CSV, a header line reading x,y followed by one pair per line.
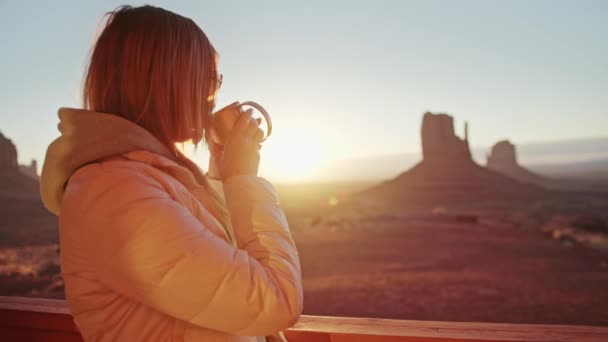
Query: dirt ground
x,y
385,266
451,272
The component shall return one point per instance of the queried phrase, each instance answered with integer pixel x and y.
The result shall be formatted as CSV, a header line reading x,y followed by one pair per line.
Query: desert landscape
x,y
448,239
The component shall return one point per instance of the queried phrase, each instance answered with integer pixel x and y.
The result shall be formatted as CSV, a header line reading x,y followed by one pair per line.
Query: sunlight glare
x,y
294,157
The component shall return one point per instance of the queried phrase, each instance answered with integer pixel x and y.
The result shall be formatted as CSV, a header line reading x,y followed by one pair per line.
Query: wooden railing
x,y
34,319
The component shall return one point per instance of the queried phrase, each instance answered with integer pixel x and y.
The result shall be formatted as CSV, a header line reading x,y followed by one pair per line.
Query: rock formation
x,y
8,154
13,181
447,174
440,143
502,154
30,170
503,159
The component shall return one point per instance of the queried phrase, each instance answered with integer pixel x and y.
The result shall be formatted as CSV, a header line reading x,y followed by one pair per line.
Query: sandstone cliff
x,y
8,154
439,142
503,159
13,181
447,174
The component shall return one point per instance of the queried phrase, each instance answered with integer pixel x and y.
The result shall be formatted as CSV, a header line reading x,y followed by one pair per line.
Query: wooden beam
x,y
446,331
37,319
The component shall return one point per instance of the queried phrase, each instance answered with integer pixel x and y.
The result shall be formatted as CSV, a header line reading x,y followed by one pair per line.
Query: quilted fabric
x,y
142,257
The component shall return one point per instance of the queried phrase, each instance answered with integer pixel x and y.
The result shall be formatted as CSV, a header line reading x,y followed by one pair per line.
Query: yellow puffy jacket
x,y
141,256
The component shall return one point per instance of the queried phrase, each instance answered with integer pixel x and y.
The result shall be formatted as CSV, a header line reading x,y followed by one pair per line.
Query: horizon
x,y
518,71
539,156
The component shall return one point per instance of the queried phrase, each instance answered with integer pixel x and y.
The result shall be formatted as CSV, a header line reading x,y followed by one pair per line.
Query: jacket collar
x,y
88,136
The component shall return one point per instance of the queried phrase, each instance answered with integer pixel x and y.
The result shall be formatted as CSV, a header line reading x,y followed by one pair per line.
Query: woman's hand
x,y
240,155
215,158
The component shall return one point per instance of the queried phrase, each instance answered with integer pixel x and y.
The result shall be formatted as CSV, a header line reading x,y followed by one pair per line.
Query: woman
x,y
149,251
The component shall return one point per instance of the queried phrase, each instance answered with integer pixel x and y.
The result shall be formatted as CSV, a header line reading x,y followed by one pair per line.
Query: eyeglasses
x,y
219,80
218,83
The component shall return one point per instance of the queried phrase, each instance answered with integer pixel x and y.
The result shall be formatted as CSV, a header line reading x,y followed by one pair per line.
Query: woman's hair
x,y
157,69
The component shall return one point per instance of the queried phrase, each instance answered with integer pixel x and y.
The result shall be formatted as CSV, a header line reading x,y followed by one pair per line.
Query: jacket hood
x,y
87,136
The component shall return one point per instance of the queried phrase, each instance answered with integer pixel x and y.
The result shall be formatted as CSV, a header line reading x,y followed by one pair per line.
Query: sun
x,y
289,156
293,157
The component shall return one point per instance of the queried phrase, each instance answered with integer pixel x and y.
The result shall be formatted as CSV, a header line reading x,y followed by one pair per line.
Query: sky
x,y
342,79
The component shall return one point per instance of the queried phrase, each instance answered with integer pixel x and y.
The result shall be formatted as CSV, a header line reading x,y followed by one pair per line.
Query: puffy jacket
x,y
141,256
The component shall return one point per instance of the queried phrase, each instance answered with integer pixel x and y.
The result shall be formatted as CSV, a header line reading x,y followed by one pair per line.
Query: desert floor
x,y
451,272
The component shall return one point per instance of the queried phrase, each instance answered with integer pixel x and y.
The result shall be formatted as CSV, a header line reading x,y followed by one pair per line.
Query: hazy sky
x,y
343,79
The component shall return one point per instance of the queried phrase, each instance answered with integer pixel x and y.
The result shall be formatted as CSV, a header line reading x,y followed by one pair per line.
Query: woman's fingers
x,y
252,125
253,132
242,122
258,136
248,128
241,154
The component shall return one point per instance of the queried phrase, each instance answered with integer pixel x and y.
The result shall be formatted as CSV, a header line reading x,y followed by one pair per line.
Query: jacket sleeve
x,y
151,248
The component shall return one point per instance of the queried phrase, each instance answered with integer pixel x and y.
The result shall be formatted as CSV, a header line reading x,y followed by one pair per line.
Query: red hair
x,y
157,69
